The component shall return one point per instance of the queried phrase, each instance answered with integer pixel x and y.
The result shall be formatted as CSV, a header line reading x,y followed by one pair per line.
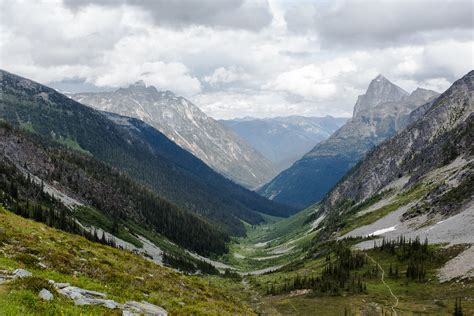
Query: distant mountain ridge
x,y
136,148
378,114
189,127
283,140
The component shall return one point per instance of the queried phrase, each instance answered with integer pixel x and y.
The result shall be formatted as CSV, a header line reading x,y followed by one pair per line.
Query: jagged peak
x,y
380,90
380,77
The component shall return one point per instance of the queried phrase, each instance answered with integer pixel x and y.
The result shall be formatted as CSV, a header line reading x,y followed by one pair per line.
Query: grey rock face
x,y
189,127
380,90
283,140
378,114
46,295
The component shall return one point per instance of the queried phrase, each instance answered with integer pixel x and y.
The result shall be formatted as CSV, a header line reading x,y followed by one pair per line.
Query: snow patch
x,y
382,231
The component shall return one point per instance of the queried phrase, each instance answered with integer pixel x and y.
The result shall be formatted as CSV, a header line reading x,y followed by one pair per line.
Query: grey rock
x,y
21,273
145,308
75,293
97,301
46,295
42,265
380,90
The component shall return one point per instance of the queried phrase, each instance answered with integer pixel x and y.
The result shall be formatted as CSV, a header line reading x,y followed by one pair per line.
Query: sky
x,y
239,58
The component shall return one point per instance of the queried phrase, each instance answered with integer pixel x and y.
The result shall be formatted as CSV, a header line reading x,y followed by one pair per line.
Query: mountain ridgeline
x,y
136,148
378,114
283,140
189,127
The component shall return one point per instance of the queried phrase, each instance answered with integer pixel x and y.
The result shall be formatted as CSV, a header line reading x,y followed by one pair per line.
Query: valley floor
x,y
271,256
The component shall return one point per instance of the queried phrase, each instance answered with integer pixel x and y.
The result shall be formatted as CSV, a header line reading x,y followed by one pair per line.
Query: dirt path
x,y
386,285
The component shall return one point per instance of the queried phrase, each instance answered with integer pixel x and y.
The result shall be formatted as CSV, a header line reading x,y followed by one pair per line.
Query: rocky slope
x,y
378,114
283,140
443,134
186,125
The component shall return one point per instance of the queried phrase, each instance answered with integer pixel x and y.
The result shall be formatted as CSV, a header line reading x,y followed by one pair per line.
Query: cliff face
x,y
380,90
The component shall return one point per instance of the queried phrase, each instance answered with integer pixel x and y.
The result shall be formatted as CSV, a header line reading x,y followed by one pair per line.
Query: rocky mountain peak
x,y
380,90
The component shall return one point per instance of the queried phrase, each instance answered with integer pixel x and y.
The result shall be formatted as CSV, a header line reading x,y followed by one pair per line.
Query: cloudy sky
x,y
240,57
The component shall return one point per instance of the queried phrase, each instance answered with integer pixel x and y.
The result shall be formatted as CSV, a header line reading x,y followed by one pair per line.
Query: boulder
x,y
97,301
46,295
75,293
144,308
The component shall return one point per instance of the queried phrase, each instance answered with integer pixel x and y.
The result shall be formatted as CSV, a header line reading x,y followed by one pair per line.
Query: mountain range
x,y
378,114
186,125
136,148
284,140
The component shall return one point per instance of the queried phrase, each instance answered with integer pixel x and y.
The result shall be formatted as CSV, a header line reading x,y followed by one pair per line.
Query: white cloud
x,y
312,81
240,14
269,68
164,76
382,23
224,75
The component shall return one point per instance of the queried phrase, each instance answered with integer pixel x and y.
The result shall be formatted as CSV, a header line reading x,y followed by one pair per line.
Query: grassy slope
x,y
261,240
428,298
351,220
122,275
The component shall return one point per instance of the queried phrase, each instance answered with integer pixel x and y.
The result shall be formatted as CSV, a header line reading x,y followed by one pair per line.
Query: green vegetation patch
x,y
350,221
90,216
72,144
